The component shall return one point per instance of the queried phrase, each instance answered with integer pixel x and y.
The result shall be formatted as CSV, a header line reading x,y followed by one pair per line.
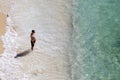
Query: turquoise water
x,y
96,40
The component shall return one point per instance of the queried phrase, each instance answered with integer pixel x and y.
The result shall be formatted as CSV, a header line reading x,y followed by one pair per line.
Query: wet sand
x,y
2,29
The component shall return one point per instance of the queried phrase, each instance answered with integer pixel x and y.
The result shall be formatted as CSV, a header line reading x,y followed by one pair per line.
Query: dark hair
x,y
33,31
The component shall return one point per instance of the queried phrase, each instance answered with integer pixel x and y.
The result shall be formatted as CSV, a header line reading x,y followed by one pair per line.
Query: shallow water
x,y
50,58
95,47
96,41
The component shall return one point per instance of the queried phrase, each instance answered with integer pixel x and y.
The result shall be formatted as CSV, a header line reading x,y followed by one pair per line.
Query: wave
x,y
50,59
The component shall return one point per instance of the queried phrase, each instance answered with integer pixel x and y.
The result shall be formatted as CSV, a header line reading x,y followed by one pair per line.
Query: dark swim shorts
x,y
32,43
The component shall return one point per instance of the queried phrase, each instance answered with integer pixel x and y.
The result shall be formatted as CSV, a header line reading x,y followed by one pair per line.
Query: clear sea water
x,y
96,40
76,40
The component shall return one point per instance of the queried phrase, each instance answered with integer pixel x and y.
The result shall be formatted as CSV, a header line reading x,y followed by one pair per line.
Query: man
x,y
33,40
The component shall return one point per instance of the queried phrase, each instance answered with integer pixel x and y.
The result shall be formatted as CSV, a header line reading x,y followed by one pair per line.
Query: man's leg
x,y
32,45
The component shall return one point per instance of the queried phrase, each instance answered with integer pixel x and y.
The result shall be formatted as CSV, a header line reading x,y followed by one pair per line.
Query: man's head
x,y
33,31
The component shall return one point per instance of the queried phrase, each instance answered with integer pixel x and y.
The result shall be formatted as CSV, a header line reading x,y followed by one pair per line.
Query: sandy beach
x,y
4,9
2,29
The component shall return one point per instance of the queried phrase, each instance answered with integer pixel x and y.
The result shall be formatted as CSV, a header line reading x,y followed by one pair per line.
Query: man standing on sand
x,y
33,40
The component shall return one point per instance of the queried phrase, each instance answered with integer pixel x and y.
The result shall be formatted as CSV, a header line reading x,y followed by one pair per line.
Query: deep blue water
x,y
96,46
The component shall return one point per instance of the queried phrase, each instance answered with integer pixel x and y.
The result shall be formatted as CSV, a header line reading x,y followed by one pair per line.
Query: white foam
x,y
8,65
49,60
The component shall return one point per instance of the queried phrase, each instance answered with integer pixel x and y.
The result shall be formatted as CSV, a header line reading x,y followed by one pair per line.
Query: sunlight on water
x,y
96,40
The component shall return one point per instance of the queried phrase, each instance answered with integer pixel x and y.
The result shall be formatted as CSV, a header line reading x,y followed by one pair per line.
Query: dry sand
x,y
2,29
4,9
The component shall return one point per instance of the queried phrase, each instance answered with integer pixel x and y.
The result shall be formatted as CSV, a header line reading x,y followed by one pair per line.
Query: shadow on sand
x,y
24,53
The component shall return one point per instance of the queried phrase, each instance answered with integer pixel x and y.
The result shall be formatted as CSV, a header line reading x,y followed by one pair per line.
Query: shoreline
x,y
3,29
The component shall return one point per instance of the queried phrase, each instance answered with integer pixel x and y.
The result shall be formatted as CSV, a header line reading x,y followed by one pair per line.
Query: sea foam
x,y
50,57
10,66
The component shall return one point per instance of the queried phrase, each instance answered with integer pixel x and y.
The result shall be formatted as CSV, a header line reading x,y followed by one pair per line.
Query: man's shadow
x,y
24,53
